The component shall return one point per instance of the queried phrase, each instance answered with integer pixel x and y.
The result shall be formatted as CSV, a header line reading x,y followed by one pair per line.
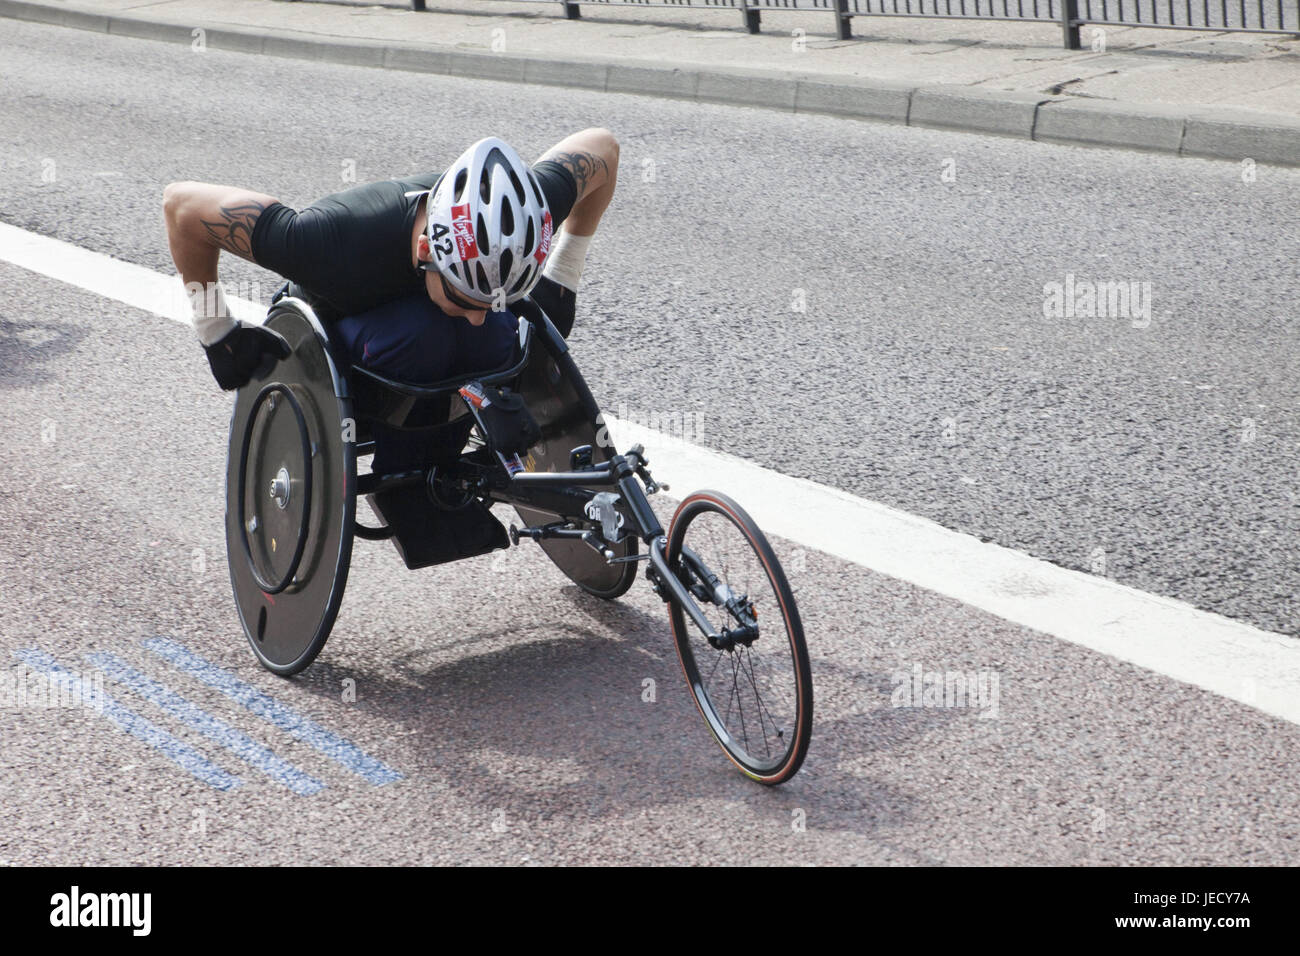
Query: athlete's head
x,y
488,231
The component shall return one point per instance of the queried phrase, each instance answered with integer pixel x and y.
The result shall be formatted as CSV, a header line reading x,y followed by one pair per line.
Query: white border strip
x,y
1173,638
111,278
1227,657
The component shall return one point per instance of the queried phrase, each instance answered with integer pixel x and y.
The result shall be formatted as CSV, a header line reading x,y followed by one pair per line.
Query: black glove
x,y
245,351
559,304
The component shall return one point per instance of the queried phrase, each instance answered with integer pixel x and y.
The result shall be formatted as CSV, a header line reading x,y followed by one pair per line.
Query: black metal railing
x,y
1248,16
750,10
1253,16
1236,16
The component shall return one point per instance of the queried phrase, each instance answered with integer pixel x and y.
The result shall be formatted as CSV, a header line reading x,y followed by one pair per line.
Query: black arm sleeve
x,y
560,187
279,243
351,249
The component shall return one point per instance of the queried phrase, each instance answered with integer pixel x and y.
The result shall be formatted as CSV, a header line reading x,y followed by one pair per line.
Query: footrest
x,y
424,535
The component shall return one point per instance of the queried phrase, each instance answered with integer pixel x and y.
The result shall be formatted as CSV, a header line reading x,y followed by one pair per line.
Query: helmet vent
x,y
520,283
495,205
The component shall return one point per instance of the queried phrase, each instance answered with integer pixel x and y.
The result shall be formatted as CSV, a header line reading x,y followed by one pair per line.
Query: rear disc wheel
x,y
290,500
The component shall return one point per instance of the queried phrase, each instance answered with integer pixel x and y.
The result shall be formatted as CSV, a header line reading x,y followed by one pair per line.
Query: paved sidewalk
x,y
1229,96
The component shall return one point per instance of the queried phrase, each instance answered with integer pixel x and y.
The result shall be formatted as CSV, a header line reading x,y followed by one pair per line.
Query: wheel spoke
x,y
759,700
717,659
735,686
762,716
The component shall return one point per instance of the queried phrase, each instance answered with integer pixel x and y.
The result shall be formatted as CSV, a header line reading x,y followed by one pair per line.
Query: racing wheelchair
x,y
292,484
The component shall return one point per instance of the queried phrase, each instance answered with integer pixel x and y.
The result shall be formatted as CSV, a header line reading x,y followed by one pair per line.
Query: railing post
x,y
572,11
750,15
843,26
417,6
1070,23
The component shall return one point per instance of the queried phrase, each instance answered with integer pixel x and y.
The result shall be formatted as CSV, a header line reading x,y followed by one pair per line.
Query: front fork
x,y
707,586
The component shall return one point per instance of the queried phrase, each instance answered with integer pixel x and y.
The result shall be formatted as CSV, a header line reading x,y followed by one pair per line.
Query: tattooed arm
x,y
592,156
203,219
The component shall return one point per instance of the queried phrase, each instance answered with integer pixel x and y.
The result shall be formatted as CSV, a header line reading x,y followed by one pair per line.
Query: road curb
x,y
1204,132
1094,122
1006,113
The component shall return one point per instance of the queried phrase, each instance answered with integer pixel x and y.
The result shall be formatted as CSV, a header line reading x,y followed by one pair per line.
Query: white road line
x,y
103,275
1230,658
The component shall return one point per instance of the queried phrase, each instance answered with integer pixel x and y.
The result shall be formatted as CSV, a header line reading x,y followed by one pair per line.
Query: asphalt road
x,y
922,374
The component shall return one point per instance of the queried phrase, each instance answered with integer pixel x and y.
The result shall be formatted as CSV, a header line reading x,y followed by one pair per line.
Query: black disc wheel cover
x,y
290,500
553,399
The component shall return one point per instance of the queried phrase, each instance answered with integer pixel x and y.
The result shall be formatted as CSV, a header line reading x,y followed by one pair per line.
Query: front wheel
x,y
751,680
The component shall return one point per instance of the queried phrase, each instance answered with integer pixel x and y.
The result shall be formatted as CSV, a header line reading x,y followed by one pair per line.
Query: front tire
x,y
755,691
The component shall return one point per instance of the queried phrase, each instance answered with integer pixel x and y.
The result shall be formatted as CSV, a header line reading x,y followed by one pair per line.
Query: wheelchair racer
x,y
416,274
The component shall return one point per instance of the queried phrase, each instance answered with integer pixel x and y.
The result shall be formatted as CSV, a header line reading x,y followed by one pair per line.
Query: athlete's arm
x,y
202,221
592,157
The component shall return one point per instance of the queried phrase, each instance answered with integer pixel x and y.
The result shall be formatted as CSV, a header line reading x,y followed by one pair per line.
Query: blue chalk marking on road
x,y
249,697
172,748
239,743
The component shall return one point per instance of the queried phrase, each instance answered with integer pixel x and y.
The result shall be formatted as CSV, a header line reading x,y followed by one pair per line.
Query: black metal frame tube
x,y
678,590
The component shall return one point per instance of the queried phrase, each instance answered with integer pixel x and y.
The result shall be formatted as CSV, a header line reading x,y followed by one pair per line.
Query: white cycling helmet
x,y
489,226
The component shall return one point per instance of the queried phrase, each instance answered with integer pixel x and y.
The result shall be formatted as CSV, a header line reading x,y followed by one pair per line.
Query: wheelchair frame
x,y
585,504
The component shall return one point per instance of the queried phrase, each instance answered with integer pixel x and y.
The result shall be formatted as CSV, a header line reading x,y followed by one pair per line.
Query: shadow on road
x,y
26,347
552,721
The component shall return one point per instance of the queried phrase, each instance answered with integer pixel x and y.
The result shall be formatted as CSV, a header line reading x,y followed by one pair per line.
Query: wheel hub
x,y
280,488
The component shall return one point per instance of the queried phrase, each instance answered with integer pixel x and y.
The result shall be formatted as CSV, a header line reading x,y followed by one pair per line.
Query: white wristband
x,y
211,317
564,264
